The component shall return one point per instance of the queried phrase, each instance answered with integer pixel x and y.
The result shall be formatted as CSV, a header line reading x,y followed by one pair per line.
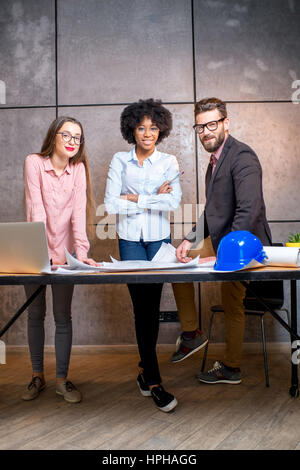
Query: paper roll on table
x,y
282,256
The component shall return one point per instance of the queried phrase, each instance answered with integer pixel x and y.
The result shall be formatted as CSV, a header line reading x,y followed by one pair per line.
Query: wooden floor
x,y
114,415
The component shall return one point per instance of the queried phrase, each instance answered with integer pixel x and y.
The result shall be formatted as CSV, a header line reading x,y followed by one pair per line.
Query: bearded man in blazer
x,y
234,201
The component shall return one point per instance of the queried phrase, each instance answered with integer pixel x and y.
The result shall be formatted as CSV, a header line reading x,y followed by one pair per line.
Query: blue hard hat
x,y
237,249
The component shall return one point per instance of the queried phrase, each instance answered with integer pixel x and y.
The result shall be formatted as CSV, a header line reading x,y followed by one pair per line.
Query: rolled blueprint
x,y
282,256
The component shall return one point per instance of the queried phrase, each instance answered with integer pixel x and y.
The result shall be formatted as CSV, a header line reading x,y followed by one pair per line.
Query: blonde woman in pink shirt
x,y
58,193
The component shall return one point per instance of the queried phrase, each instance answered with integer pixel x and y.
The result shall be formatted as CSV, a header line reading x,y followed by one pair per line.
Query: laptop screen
x,y
23,247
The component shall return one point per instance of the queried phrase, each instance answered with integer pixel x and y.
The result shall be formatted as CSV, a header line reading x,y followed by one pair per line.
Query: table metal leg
x,y
294,390
21,310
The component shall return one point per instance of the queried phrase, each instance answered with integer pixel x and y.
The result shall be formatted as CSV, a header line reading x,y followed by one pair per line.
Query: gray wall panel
x,y
281,231
103,139
21,132
247,49
115,51
27,52
270,129
181,143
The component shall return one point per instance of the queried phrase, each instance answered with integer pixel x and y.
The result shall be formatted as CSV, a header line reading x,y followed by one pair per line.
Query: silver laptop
x,y
23,247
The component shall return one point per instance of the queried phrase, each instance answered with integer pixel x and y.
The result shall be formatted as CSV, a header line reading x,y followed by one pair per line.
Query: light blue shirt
x,y
149,217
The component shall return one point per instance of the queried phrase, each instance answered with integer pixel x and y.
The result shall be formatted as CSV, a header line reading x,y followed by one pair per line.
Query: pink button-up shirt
x,y
59,202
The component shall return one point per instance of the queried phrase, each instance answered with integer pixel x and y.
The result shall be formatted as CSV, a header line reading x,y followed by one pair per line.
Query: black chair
x,y
271,292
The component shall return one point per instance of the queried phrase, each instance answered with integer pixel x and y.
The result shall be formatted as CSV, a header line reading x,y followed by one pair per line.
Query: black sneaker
x,y
143,386
220,374
162,399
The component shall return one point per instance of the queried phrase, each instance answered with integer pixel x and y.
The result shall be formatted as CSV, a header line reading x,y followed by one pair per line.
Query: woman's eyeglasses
x,y
67,137
153,130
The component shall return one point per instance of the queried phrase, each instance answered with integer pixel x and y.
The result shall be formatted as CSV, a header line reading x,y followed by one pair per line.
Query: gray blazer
x,y
234,196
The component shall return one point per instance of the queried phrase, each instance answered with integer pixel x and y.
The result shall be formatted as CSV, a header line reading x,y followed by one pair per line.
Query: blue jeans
x,y
146,302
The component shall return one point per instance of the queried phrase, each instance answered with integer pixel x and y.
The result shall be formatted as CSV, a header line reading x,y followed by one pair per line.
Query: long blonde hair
x,y
81,156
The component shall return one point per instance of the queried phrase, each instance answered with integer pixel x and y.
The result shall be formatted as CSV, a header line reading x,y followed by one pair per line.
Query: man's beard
x,y
213,144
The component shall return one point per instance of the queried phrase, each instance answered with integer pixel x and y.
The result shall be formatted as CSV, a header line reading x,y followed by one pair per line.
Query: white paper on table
x,y
203,268
74,266
166,253
164,259
74,263
141,265
209,267
282,256
66,270
253,264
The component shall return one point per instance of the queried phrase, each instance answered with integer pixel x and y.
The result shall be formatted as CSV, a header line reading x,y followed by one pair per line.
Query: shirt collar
x,y
153,157
217,154
49,167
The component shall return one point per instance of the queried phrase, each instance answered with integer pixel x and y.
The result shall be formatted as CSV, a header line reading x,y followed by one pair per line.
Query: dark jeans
x,y
146,302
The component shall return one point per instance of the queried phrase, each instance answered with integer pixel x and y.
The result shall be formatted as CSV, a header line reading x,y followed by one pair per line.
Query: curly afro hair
x,y
134,114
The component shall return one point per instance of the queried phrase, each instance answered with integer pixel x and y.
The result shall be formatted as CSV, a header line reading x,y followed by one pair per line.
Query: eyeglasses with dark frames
x,y
68,137
211,126
153,130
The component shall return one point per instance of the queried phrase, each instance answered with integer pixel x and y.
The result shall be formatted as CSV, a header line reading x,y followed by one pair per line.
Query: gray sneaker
x,y
68,391
220,374
34,388
187,347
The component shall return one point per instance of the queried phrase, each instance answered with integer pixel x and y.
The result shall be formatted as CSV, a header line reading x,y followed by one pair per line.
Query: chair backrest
x,y
270,291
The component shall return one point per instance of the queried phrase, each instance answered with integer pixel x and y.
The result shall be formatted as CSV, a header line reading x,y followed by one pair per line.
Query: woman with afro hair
x,y
143,186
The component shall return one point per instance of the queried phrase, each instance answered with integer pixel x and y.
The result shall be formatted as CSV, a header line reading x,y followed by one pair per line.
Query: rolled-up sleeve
x,y
35,211
161,202
78,218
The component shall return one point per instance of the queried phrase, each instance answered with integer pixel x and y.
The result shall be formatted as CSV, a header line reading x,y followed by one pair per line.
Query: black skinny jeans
x,y
146,302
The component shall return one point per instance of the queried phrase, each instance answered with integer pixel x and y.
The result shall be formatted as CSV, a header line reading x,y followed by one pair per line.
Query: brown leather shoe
x,y
34,388
68,391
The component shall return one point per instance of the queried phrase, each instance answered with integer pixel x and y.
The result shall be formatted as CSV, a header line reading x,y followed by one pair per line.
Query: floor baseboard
x,y
249,348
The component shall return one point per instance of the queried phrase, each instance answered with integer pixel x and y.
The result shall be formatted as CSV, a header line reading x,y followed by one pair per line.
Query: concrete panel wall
x,y
123,50
21,132
246,50
27,51
88,59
